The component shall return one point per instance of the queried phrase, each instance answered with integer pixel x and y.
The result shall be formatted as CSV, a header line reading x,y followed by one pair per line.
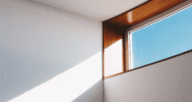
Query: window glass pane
x,y
113,59
163,39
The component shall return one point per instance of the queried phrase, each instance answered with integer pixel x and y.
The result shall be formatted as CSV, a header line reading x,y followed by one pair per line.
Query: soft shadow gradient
x,y
28,79
47,54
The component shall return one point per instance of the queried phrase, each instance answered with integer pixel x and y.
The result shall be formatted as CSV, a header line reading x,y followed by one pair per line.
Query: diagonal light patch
x,y
68,85
113,59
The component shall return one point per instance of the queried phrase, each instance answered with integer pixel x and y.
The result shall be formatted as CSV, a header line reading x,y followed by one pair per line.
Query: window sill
x,y
106,77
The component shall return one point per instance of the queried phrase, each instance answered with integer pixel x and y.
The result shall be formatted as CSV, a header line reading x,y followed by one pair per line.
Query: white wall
x,y
167,81
48,55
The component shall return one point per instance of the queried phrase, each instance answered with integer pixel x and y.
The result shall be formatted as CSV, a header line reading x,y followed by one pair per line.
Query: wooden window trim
x,y
142,24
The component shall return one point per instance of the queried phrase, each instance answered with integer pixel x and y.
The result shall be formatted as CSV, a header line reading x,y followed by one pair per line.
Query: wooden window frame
x,y
142,24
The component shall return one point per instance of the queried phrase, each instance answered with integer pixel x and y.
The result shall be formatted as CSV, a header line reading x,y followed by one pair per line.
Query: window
x,y
144,45
166,38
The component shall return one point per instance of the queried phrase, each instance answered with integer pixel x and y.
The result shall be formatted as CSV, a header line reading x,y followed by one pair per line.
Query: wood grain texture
x,y
143,12
112,34
114,29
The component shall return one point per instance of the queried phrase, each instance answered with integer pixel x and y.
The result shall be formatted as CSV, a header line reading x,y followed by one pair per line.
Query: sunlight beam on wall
x,y
68,85
113,59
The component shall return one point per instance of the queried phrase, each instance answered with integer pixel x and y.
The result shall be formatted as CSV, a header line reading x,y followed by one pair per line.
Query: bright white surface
x,y
97,9
130,52
113,59
167,81
48,55
68,85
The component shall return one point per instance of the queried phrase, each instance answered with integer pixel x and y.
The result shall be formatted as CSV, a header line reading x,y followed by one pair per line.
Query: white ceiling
x,y
98,9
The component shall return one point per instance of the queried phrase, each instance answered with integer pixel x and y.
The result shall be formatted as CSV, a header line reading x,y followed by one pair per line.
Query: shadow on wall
x,y
45,54
113,49
29,78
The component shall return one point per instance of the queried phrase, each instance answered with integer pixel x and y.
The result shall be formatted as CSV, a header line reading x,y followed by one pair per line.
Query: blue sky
x,y
163,39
